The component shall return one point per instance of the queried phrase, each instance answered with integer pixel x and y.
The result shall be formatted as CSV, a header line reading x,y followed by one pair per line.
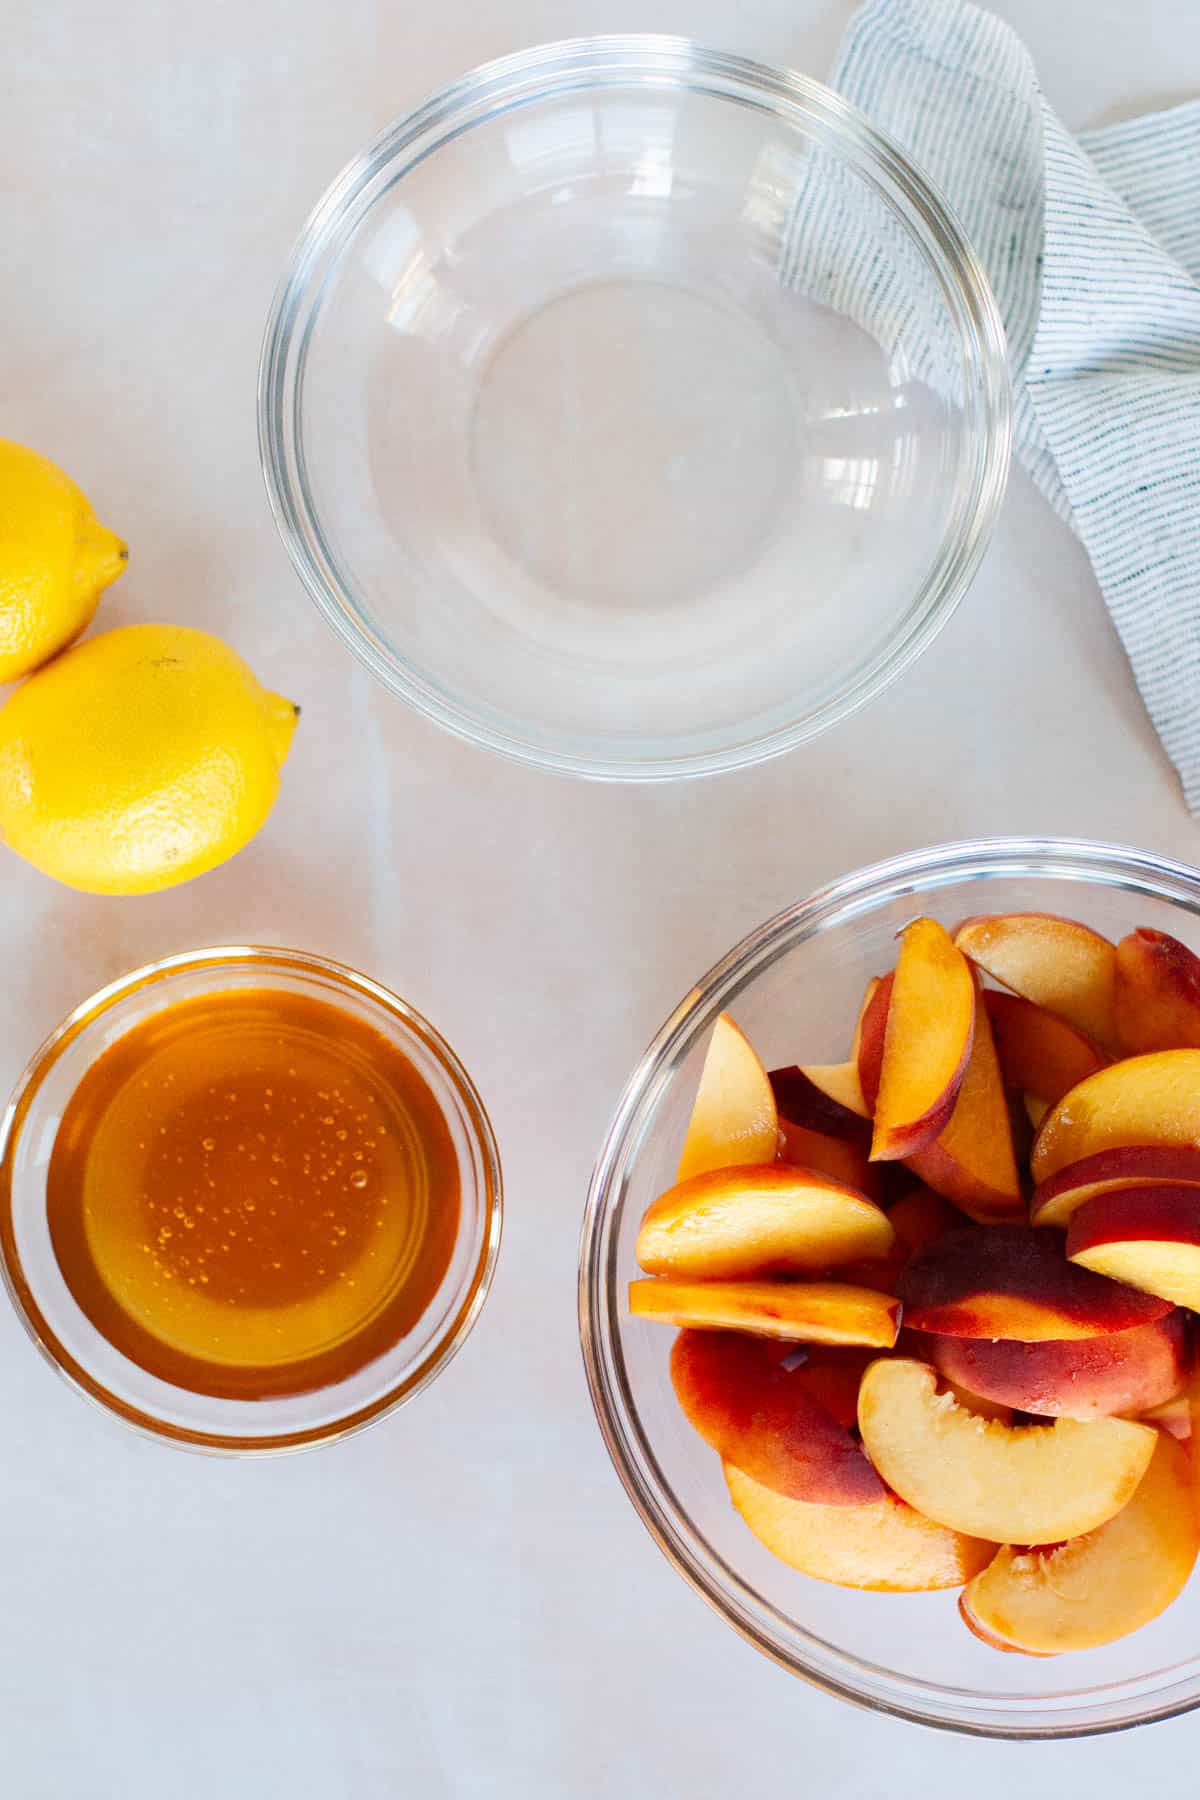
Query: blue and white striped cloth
x,y
1092,245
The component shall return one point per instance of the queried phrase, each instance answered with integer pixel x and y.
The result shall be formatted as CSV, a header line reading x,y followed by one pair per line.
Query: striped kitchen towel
x,y
1092,245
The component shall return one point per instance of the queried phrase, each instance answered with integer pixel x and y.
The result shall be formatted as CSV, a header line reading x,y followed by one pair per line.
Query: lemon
x,y
139,759
55,558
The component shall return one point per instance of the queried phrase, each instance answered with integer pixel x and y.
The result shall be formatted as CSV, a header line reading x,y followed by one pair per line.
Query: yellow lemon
x,y
55,558
139,759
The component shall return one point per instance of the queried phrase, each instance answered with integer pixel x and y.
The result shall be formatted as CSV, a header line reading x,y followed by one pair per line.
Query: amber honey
x,y
253,1193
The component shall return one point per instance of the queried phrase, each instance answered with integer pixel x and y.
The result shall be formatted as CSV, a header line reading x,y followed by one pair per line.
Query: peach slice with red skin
x,y
972,1160
1148,1237
1010,1281
1038,1052
1027,1484
1193,1440
1098,1587
1106,1172
734,1223
824,1097
884,1547
927,1042
1145,1100
1083,1378
869,1037
1157,1000
832,1374
761,1416
1173,1415
819,1312
918,1218
733,1116
844,1158
1055,962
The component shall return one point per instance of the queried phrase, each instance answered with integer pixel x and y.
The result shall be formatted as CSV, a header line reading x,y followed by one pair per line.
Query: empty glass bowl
x,y
794,985
634,410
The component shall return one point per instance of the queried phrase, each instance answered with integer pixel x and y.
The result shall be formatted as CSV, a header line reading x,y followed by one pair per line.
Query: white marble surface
x,y
460,1602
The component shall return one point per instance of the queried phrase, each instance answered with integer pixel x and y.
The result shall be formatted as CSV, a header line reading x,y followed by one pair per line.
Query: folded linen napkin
x,y
1092,245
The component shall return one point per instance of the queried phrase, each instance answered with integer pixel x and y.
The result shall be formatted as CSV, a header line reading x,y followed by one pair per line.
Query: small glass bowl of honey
x,y
249,1200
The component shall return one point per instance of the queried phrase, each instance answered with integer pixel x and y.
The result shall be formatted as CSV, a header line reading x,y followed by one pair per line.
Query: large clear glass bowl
x,y
634,410
794,984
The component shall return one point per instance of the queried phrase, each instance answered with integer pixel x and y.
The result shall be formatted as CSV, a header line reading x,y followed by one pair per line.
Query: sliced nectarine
x,y
733,1119
825,1097
978,1404
1144,1100
1055,962
1014,1484
1173,1415
869,1037
759,1221
918,1217
1148,1237
885,1547
844,1158
761,1415
1040,1053
1099,1587
921,1217
1082,1378
1157,993
927,1043
1010,1281
1035,1109
972,1161
1193,1440
1131,1165
832,1374
817,1312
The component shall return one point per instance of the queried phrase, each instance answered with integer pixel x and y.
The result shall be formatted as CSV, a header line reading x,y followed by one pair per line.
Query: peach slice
x,y
885,1547
818,1312
1193,1442
844,1158
1012,1484
918,1218
1057,963
972,1160
975,1403
825,1097
1148,1237
733,1223
872,988
1035,1109
832,1374
927,1043
1133,1165
733,1118
1101,1586
762,1417
922,1217
1040,1053
1157,993
1010,1281
1151,1099
869,1037
1173,1415
1084,1378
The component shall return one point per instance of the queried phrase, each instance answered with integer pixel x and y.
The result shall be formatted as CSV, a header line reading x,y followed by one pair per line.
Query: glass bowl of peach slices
x,y
888,1287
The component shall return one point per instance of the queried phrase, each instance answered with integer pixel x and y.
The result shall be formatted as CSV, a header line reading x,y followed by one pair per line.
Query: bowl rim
x,y
1114,1707
410,1025
608,60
